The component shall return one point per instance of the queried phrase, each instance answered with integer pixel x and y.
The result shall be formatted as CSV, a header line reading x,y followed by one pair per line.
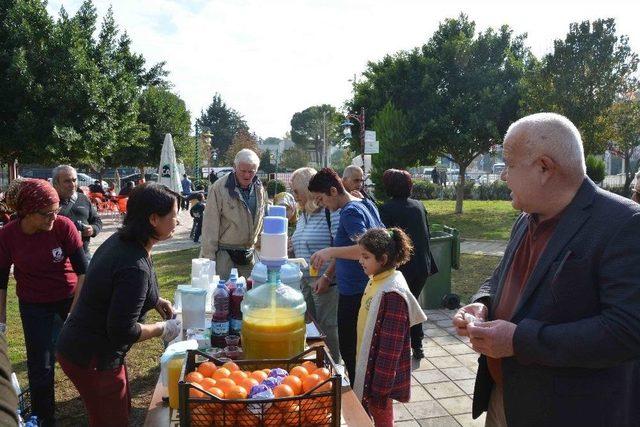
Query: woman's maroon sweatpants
x,y
105,393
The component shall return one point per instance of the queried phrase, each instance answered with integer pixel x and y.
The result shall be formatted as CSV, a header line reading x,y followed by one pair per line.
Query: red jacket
x,y
388,373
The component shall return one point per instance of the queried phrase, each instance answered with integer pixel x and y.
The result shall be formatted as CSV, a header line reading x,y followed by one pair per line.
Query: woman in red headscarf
x,y
49,265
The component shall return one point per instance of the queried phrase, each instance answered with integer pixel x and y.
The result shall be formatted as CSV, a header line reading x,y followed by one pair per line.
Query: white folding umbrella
x,y
168,172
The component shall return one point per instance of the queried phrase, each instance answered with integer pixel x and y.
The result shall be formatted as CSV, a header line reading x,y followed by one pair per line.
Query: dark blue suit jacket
x,y
577,343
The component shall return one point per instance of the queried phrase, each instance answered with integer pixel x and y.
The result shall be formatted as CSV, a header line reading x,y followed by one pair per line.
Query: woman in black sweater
x,y
411,216
119,288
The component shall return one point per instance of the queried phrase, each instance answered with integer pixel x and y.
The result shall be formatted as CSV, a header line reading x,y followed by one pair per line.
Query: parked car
x,y
85,180
136,177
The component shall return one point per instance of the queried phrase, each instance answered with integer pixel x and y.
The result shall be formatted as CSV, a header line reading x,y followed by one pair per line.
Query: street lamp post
x,y
346,125
205,138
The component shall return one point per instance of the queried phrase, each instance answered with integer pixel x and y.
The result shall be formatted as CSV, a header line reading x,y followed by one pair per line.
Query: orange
x,y
294,416
248,383
225,384
317,417
195,392
238,376
299,371
223,419
200,415
216,392
273,417
310,381
230,366
266,371
283,390
194,377
323,373
207,383
247,419
236,392
294,382
309,365
259,376
207,369
221,373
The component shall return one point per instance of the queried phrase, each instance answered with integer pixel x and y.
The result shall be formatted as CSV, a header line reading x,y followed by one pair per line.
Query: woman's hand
x,y
320,257
165,308
321,285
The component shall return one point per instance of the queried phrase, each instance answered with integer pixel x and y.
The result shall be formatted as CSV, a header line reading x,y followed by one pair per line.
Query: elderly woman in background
x,y
120,288
289,202
635,196
49,265
410,215
315,230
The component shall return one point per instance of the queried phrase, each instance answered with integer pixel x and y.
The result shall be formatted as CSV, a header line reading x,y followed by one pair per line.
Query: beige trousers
x,y
495,413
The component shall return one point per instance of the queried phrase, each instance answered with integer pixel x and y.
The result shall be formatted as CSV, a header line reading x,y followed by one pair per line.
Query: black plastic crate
x,y
317,408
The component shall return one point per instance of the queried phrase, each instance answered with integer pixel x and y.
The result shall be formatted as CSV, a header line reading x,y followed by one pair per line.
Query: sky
x,y
269,59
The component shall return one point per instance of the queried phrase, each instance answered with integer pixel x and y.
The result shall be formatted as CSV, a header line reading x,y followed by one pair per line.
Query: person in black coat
x,y
411,216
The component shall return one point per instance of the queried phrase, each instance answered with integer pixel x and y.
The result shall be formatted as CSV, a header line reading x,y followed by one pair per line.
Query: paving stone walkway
x,y
483,247
442,383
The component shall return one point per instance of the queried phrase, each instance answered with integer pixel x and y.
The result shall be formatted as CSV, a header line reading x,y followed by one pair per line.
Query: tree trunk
x,y
460,189
141,175
629,174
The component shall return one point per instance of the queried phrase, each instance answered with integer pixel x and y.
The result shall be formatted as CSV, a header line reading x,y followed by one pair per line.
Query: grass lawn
x,y
142,361
480,219
474,269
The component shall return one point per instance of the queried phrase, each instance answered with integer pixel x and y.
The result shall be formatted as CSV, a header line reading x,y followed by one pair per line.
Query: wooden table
x,y
160,415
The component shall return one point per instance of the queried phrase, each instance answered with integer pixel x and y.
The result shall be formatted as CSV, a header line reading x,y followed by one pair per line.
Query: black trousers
x,y
416,284
348,307
42,323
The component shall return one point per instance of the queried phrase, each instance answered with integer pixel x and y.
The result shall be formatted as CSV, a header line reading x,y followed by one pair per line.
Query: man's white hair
x,y
553,135
247,156
56,172
350,170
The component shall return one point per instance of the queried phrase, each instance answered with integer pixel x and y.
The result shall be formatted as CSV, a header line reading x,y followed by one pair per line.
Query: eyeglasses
x,y
50,214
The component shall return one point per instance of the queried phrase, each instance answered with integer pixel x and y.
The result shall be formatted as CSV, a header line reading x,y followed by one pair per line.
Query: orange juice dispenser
x,y
273,325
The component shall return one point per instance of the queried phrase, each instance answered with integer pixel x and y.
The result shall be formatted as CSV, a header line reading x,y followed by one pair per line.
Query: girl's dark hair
x,y
145,200
322,182
397,182
392,242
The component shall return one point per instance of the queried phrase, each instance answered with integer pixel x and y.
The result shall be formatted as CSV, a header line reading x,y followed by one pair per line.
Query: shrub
x,y
423,190
619,190
595,168
497,190
274,187
201,184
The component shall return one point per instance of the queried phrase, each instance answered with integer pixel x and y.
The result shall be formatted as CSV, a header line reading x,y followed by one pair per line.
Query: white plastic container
x,y
193,307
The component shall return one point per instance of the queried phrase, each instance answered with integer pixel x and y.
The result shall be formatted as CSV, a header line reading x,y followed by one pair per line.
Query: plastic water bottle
x,y
232,283
236,314
220,318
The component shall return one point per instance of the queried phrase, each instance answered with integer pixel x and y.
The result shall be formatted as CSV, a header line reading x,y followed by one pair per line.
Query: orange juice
x,y
273,333
174,369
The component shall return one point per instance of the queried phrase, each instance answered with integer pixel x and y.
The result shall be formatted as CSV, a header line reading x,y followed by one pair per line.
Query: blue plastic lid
x,y
259,273
275,210
275,225
222,284
290,273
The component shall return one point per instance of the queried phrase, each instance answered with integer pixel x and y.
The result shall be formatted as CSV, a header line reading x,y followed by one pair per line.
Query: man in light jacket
x,y
233,217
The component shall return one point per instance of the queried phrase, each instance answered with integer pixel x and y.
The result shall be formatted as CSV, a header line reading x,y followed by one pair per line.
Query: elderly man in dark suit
x,y
558,323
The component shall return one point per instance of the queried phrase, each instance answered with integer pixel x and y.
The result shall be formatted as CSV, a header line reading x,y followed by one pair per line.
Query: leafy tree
x,y
25,29
294,158
309,125
223,122
458,93
595,168
622,124
265,162
341,159
473,90
242,139
392,132
161,112
582,78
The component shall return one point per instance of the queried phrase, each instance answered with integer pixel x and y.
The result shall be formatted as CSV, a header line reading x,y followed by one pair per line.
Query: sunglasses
x,y
49,214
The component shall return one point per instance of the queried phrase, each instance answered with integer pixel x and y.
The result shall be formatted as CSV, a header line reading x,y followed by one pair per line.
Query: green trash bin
x,y
445,247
